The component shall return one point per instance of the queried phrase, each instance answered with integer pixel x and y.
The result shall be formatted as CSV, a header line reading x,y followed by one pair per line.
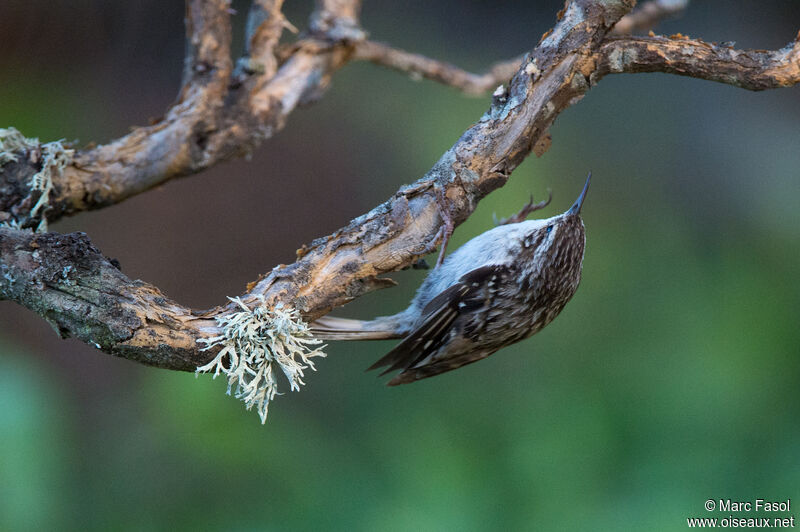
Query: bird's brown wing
x,y
467,295
439,366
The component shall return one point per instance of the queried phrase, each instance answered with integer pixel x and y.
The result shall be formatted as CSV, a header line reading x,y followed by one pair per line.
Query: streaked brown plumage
x,y
497,289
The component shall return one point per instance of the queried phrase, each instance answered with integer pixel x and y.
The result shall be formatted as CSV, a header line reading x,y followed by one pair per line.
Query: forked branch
x,y
642,18
220,112
81,293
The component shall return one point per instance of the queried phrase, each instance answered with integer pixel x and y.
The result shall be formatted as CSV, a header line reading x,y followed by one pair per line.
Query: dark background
x,y
672,376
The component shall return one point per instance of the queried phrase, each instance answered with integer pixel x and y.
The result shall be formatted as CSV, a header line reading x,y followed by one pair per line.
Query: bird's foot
x,y
446,230
527,209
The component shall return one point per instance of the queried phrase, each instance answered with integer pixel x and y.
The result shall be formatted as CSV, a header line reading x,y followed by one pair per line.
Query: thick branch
x,y
122,316
208,37
748,69
220,114
217,116
67,281
338,268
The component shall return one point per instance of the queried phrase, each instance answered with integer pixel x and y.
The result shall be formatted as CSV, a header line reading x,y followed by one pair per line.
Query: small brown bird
x,y
497,289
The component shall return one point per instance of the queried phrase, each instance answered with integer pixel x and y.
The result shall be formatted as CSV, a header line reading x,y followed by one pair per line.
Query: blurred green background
x,y
672,376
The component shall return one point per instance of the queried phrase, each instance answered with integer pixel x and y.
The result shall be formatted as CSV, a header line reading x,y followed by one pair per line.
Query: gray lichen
x,y
52,157
254,344
11,143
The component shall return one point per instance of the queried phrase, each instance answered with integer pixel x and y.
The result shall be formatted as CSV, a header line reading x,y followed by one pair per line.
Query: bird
x,y
501,287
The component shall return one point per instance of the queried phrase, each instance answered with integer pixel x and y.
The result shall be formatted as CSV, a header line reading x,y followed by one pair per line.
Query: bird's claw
x,y
445,230
527,209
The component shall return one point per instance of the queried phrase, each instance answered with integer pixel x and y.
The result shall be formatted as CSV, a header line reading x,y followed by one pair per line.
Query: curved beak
x,y
576,207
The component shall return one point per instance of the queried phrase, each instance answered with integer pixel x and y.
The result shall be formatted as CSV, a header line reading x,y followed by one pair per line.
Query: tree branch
x,y
337,20
217,116
423,67
68,281
223,113
647,15
749,69
644,17
338,268
122,316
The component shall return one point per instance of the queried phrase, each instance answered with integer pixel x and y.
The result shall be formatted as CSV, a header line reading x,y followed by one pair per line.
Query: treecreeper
x,y
499,288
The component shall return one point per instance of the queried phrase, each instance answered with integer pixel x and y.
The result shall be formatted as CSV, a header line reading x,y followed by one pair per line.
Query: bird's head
x,y
565,228
556,244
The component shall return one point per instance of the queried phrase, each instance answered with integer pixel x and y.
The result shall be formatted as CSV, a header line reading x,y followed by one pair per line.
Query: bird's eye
x,y
549,228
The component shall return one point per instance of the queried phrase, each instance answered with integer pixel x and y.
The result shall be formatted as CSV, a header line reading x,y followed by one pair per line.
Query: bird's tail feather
x,y
331,328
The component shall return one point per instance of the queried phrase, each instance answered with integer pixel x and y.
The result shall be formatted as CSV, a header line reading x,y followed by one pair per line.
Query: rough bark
x,y
220,112
224,111
642,18
749,69
81,293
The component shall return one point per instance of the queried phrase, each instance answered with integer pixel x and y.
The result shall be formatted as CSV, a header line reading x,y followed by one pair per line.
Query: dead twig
x,y
642,18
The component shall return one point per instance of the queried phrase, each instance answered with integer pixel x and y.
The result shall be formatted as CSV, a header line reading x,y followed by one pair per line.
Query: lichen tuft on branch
x,y
257,343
